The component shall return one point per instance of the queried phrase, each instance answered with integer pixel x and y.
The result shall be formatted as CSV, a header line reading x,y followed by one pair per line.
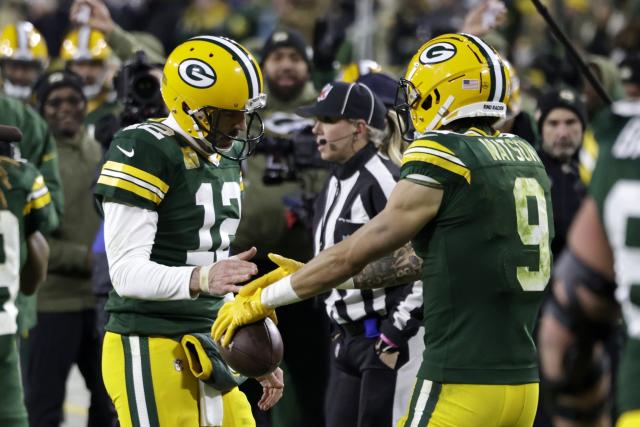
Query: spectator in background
x,y
562,119
85,52
273,225
66,334
23,58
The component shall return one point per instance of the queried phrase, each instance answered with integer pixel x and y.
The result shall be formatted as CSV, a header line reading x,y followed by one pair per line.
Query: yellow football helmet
x,y
207,75
22,45
22,42
453,76
84,44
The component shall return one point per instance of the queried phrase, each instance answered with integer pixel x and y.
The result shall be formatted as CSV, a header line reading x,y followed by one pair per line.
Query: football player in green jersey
x,y
171,195
26,211
476,204
603,252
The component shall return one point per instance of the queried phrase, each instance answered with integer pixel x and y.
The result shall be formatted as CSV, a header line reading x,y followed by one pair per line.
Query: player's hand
x,y
225,275
272,389
243,310
484,17
286,266
99,17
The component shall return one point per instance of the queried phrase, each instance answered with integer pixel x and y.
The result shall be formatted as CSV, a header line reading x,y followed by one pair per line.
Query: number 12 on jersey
x,y
225,229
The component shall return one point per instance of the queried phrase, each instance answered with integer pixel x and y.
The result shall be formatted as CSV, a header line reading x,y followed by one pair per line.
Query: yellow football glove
x,y
286,266
243,310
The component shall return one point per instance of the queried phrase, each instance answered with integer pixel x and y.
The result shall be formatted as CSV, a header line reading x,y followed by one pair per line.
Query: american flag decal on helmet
x,y
472,84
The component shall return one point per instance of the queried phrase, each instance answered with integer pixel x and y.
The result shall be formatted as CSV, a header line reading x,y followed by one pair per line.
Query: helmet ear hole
x,y
427,103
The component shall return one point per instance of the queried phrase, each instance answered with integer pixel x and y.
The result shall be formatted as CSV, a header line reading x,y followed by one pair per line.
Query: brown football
x,y
256,349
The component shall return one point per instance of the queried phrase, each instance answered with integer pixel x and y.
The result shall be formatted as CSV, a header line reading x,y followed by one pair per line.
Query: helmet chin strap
x,y
16,91
441,112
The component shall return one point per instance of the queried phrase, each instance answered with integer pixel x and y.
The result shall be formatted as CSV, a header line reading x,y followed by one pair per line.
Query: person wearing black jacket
x,y
376,335
561,118
561,123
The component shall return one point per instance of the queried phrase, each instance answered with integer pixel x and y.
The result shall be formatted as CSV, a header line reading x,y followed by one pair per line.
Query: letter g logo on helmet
x,y
197,73
437,53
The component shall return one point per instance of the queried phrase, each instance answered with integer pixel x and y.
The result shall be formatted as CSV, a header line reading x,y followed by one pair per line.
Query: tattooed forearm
x,y
400,267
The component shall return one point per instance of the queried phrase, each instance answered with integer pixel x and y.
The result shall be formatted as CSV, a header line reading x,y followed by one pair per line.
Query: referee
x,y
376,340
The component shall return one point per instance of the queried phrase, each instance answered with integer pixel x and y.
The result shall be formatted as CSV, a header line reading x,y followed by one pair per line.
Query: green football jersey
x,y
28,209
615,187
198,204
486,255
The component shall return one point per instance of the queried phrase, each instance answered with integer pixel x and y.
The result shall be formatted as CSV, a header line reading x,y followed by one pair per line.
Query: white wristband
x,y
280,293
347,284
203,282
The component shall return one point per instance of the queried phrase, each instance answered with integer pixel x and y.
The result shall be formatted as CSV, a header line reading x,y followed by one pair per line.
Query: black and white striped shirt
x,y
354,193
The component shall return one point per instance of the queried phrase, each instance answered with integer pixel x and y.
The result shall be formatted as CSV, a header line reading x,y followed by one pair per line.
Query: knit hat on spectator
x,y
560,98
630,69
342,100
54,80
287,37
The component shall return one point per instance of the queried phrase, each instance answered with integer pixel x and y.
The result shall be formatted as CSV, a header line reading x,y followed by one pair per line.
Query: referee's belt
x,y
369,327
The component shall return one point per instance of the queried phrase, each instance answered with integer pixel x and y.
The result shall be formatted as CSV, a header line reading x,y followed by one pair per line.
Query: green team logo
x,y
197,73
437,53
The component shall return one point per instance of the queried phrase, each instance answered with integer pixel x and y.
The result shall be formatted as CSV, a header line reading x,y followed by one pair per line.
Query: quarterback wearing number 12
x,y
476,205
171,194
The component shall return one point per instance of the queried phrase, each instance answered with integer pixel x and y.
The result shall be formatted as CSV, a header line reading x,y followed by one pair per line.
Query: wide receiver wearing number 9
x,y
170,190
477,205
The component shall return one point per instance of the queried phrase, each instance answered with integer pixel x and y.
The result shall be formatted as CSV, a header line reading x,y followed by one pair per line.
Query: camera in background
x,y
289,147
138,87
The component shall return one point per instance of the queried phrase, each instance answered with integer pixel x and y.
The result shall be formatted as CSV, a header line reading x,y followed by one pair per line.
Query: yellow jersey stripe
x,y
41,201
430,144
37,203
129,178
137,173
131,187
438,161
422,150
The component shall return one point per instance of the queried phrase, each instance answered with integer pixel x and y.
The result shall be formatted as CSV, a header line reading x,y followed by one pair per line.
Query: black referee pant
x,y
361,388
